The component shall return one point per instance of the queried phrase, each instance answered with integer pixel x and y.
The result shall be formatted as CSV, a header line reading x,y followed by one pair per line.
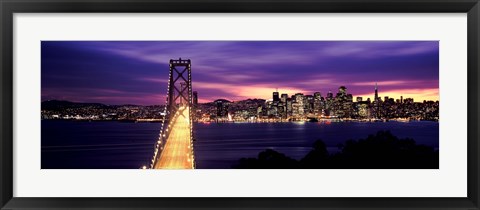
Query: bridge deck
x,y
177,153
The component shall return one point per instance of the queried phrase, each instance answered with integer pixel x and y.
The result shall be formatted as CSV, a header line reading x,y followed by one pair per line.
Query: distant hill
x,y
58,104
255,100
222,100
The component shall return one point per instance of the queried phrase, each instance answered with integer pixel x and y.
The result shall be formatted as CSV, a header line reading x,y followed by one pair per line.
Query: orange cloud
x,y
383,83
244,92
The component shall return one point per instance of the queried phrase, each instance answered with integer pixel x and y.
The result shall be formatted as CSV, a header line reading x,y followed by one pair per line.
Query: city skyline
x,y
364,98
136,72
299,106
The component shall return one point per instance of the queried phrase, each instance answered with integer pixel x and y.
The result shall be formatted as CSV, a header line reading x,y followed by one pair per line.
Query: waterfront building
x,y
222,107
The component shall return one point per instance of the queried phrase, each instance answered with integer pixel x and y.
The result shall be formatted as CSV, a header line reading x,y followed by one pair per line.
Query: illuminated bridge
x,y
174,148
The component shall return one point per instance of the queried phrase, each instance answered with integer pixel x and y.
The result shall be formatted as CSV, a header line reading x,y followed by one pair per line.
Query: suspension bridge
x,y
174,147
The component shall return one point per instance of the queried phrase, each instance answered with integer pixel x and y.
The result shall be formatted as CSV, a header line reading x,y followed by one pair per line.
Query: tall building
x,y
329,95
299,98
275,96
282,111
317,103
329,104
259,111
289,107
376,103
272,110
299,105
283,98
362,109
222,107
342,90
297,110
348,106
343,103
308,104
408,101
195,98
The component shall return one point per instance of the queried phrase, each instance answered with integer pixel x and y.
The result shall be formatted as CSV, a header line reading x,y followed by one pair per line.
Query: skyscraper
x,y
222,107
329,94
376,103
284,97
342,90
317,99
289,106
329,103
298,105
275,96
195,98
343,103
195,105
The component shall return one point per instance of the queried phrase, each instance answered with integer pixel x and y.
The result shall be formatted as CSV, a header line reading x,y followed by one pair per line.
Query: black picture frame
x,y
9,7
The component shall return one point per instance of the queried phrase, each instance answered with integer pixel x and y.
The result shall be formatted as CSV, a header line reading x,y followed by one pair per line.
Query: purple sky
x,y
136,72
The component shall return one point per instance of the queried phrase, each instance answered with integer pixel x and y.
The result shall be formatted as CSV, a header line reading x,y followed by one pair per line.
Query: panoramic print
x,y
240,105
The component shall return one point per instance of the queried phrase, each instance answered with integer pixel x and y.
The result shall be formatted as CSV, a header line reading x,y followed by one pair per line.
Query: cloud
x,y
384,83
379,49
243,92
234,69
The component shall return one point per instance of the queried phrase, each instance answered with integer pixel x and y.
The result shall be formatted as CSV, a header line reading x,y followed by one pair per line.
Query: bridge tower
x,y
179,103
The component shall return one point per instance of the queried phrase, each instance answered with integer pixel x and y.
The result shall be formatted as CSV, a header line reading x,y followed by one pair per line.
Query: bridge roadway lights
x,y
175,100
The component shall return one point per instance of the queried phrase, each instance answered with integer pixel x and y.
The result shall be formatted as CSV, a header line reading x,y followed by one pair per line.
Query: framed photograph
x,y
239,105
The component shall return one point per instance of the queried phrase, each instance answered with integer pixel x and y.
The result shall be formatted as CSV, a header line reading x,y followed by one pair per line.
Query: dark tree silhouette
x,y
317,158
268,159
385,151
380,151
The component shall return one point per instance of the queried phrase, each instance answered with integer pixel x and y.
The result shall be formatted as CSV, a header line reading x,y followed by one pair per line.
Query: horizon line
x,y
125,104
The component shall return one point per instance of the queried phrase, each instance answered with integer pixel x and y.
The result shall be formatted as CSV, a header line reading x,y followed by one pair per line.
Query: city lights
x,y
301,107
177,152
262,82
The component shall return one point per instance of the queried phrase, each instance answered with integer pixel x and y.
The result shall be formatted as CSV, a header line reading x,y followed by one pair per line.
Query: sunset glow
x,y
136,72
